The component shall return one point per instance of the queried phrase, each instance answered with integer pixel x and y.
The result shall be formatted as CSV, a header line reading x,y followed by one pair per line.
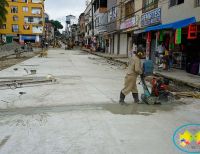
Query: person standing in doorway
x,y
134,69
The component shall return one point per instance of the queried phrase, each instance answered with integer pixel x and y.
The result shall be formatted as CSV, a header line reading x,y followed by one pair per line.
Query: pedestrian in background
x,y
166,60
160,50
134,69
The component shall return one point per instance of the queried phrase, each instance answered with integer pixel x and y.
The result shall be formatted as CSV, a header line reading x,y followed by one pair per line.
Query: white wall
x,y
115,43
138,14
123,44
179,12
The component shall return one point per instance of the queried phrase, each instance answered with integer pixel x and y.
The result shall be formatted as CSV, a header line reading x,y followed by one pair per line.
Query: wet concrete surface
x,y
3,142
80,113
140,109
129,109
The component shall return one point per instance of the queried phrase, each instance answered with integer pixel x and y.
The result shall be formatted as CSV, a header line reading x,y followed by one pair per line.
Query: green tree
x,y
57,25
3,11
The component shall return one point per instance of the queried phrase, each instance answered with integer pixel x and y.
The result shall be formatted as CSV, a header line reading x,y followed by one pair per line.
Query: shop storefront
x,y
138,41
181,41
127,27
29,38
151,18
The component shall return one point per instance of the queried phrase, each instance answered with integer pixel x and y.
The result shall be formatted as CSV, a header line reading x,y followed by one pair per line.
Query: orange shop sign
x,y
192,31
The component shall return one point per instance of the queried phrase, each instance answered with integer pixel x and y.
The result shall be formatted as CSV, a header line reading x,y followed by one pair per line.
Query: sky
x,y
58,9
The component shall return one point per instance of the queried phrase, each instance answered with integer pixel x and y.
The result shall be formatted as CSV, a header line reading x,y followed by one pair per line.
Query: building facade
x,y
123,19
128,21
25,21
81,23
100,22
112,29
88,24
178,31
49,32
148,24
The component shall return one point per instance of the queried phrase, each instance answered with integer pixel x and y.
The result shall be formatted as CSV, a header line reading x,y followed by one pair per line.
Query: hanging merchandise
x,y
149,36
161,36
178,36
171,46
158,36
192,31
148,45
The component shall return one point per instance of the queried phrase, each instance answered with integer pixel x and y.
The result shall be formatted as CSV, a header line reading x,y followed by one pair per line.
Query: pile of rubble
x,y
9,48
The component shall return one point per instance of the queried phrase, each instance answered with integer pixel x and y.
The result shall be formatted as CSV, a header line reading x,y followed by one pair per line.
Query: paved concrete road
x,y
79,113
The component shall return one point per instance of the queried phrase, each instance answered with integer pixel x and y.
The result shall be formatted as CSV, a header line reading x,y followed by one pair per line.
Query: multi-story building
x,y
112,28
128,21
25,21
88,24
74,32
147,24
174,24
100,21
123,19
48,32
81,23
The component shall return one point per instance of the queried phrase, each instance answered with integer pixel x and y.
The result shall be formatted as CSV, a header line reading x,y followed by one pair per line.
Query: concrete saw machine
x,y
158,93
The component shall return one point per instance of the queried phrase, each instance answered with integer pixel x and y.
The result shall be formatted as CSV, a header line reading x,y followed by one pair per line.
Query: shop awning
x,y
173,25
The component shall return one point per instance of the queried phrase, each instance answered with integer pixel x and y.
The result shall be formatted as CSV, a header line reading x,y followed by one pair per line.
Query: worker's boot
x,y
121,100
135,97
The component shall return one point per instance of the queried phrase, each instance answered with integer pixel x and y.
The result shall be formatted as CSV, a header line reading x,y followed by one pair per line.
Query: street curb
x,y
189,84
156,73
109,58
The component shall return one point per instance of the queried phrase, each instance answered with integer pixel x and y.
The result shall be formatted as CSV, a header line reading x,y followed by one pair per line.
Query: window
x,y
149,5
36,1
197,3
175,2
112,14
3,26
35,20
36,10
15,18
129,9
14,9
14,0
25,9
15,28
25,1
30,19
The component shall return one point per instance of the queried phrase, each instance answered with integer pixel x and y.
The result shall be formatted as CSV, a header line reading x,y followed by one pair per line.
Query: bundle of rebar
x,y
195,95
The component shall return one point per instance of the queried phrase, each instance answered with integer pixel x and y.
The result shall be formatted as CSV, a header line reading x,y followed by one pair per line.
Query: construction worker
x,y
134,69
